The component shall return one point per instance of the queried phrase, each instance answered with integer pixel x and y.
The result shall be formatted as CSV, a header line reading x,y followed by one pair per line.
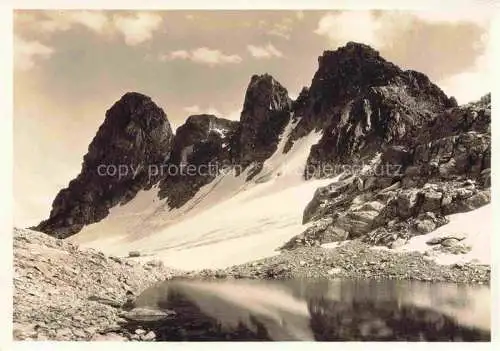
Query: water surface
x,y
275,310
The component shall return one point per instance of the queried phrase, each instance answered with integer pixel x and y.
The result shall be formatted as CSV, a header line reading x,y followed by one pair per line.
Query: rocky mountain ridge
x,y
368,110
447,172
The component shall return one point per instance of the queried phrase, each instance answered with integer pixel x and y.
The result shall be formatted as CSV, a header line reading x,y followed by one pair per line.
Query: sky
x,y
71,66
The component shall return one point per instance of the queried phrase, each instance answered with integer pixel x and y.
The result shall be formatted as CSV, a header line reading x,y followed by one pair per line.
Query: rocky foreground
x,y
63,292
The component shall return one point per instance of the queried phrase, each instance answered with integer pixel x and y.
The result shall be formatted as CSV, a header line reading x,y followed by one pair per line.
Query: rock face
x,y
135,135
362,102
266,111
420,145
203,147
412,187
62,292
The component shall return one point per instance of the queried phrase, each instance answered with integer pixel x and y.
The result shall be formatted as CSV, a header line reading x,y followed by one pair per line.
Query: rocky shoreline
x,y
62,292
353,260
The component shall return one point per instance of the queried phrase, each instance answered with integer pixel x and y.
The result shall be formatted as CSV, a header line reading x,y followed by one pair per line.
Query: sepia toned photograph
x,y
252,175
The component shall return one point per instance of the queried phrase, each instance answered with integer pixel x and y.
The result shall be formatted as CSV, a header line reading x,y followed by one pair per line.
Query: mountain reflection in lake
x,y
277,310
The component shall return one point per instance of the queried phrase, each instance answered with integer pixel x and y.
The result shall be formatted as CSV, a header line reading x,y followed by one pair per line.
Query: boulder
x,y
334,234
432,200
425,226
147,315
407,203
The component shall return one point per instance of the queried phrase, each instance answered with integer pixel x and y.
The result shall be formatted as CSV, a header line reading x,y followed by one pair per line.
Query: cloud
x,y
470,85
233,115
213,57
203,55
282,29
382,28
362,26
94,21
179,54
478,15
264,52
192,109
27,52
49,22
196,110
137,28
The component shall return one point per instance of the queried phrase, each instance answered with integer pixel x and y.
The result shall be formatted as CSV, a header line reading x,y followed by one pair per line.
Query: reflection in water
x,y
319,310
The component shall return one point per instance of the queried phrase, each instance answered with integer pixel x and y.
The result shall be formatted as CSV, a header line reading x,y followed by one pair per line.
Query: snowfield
x,y
476,225
228,221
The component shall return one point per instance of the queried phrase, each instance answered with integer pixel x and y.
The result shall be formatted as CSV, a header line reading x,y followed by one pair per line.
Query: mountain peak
x,y
352,48
263,90
262,77
134,135
265,113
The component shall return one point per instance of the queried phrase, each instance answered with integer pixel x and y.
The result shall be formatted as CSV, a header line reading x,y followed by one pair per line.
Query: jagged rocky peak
x,y
352,67
361,102
266,111
134,135
355,68
135,130
202,146
202,129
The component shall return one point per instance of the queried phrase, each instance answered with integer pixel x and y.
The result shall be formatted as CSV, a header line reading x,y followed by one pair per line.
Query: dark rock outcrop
x,y
203,147
362,102
411,188
134,135
266,111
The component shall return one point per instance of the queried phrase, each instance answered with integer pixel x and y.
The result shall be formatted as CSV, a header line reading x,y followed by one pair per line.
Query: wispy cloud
x,y
479,15
210,110
195,109
360,26
282,28
49,22
299,15
27,52
475,82
203,55
137,28
264,52
383,28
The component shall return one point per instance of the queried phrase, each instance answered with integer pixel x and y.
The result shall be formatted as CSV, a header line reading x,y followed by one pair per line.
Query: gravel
x,y
352,260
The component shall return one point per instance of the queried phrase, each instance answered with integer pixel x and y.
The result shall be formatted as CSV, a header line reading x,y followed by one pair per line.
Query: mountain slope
x,y
251,180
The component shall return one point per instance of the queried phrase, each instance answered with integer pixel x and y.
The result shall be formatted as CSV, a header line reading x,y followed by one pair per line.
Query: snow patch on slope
x,y
228,221
476,225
